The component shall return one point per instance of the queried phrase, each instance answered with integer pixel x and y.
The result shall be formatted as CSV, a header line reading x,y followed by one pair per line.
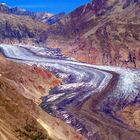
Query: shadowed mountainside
x,y
18,29
20,26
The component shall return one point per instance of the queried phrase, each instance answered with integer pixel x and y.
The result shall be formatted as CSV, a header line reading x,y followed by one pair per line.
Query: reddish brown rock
x,y
110,27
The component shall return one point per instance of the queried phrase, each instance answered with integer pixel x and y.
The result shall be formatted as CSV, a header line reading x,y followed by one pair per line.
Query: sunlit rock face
x,y
105,5
101,6
101,32
21,87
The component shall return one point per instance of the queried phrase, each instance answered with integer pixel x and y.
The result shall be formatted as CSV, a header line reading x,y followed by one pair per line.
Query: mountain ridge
x,y
96,30
44,17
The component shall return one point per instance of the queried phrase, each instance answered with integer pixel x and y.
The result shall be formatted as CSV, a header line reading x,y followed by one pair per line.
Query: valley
x,y
71,76
91,99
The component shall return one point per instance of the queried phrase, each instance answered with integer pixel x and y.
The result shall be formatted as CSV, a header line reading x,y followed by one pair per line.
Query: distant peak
x,y
3,3
20,9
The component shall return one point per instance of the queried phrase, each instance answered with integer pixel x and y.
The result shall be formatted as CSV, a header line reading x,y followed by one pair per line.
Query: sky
x,y
52,6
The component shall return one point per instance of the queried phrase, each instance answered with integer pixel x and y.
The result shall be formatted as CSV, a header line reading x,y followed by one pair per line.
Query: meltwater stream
x,y
89,96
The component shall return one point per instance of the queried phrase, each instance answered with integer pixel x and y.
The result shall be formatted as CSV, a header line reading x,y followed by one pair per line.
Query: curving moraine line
x,y
89,96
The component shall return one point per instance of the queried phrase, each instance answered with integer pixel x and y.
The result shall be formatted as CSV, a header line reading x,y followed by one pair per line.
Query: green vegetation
x,y
31,132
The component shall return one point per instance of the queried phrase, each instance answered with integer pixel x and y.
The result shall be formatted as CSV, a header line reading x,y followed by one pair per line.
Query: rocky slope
x,y
21,87
101,32
19,95
21,26
100,102
18,29
12,106
35,84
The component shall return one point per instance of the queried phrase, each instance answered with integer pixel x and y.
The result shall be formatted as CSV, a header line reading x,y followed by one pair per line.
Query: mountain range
x,y
48,88
100,32
45,17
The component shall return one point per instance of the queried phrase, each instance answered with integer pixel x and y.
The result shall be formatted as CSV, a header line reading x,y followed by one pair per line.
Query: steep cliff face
x,y
101,32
